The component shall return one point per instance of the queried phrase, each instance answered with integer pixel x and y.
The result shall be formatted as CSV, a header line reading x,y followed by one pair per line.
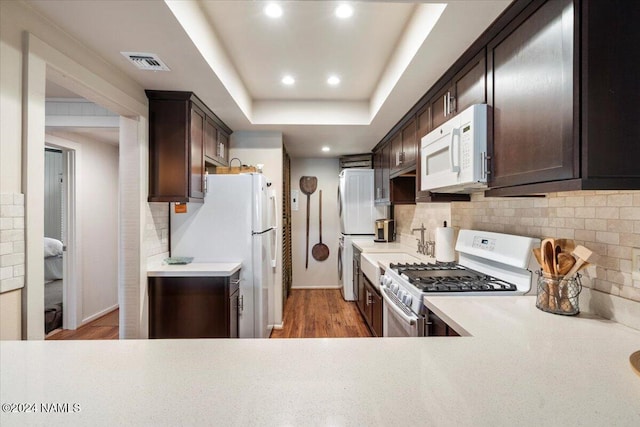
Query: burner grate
x,y
449,277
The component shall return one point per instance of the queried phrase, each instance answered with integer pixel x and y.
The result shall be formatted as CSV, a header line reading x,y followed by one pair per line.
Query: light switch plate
x,y
294,199
635,263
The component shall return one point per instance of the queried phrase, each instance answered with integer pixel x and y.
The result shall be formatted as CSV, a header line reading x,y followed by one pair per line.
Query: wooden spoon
x,y
548,256
320,251
308,185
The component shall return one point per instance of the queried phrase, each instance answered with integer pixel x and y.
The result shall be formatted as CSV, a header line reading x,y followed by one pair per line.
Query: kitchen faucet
x,y
424,247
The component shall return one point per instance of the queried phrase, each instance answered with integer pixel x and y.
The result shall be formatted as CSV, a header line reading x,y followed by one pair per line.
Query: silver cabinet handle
x,y
444,99
484,164
241,303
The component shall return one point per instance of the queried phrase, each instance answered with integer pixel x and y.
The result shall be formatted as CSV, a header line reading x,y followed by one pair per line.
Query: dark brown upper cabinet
x,y
183,136
466,88
404,149
381,174
564,89
531,92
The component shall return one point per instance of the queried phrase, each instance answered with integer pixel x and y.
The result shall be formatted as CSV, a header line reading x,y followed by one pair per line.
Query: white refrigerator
x,y
357,213
236,223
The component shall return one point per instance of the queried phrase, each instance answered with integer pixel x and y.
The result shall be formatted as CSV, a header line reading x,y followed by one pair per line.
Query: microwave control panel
x,y
465,144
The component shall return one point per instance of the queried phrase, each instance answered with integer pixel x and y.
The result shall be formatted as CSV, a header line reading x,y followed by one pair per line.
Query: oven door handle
x,y
411,320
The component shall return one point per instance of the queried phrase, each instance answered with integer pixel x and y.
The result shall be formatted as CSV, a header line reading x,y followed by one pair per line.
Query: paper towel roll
x,y
445,246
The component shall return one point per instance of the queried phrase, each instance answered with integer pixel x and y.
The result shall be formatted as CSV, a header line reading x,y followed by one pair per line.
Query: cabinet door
x,y
437,326
377,174
234,314
423,123
188,307
223,148
439,105
376,313
196,183
386,172
470,84
210,140
396,153
530,67
362,298
409,145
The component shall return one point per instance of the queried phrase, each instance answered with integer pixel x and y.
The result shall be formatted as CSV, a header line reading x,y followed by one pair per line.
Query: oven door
x,y
397,319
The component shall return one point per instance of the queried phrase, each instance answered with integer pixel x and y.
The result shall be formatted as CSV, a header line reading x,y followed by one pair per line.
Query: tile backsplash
x,y
156,236
12,241
607,222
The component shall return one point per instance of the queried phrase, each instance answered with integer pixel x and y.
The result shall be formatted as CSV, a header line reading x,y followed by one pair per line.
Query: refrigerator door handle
x,y
274,249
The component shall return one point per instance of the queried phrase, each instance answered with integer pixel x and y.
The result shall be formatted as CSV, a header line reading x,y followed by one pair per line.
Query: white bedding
x,y
52,259
52,247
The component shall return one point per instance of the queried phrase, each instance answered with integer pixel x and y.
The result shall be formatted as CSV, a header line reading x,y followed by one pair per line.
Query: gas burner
x,y
449,277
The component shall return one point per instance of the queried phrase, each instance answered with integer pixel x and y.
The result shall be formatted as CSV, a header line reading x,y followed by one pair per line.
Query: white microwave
x,y
454,156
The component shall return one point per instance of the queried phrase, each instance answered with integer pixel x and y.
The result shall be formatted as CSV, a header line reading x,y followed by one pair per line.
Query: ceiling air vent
x,y
146,61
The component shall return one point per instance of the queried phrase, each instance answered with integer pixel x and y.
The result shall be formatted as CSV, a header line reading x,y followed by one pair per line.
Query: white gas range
x,y
489,264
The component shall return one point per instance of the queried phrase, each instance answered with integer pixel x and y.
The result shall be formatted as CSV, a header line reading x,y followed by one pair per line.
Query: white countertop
x,y
194,269
369,246
522,367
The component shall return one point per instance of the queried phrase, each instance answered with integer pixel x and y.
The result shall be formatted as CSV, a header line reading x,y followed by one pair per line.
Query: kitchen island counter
x,y
520,367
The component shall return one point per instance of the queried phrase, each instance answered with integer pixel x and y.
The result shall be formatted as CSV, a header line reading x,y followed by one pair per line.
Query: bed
x,y
53,284
52,259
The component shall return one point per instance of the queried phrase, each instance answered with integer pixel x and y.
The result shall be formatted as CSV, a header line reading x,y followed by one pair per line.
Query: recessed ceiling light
x,y
333,80
273,10
344,11
288,80
325,149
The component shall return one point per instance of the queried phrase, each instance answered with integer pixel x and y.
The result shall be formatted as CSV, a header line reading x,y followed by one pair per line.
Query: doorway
x,y
81,210
43,62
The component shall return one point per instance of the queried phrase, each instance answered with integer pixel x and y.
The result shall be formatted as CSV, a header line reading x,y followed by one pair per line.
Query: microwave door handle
x,y
454,168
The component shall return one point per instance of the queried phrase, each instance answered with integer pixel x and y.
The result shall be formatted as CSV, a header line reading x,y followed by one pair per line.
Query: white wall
x,y
320,274
97,219
254,148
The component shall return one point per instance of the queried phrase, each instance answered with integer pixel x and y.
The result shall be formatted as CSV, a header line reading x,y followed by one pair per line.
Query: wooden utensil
x,y
581,255
320,251
538,254
308,185
565,263
549,267
548,255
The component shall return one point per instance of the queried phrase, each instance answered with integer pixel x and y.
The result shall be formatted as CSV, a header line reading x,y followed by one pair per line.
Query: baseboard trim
x,y
316,287
279,327
98,314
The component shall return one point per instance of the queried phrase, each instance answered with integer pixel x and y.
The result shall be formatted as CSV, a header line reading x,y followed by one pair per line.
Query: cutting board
x,y
635,361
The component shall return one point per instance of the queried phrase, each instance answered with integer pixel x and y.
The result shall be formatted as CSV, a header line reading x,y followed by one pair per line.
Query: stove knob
x,y
401,295
395,288
385,280
408,299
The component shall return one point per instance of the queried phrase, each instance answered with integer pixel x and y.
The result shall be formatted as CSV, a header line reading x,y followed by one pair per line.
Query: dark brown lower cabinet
x,y
370,304
438,327
193,307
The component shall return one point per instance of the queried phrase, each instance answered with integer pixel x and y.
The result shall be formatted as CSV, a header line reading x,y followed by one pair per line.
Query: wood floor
x,y
103,328
313,313
320,313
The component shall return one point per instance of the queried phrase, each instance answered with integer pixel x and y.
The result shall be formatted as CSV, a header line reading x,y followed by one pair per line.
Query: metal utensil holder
x,y
558,294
